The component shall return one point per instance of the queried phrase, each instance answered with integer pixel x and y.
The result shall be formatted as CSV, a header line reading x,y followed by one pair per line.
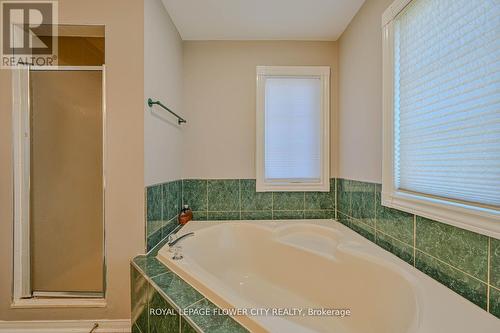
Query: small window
x,y
442,111
293,128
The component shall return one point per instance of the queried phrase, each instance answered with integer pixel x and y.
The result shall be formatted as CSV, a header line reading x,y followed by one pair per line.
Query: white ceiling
x,y
261,19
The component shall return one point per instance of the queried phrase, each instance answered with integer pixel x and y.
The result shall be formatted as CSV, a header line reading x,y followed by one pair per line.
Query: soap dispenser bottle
x,y
186,215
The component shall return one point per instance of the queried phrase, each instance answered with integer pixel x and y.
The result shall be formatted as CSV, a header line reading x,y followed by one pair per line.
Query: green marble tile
x,y
319,214
164,318
154,203
460,248
359,186
200,215
342,218
223,216
288,201
495,302
186,327
135,329
396,223
252,200
362,229
172,198
468,287
223,195
257,215
179,291
154,239
138,299
168,227
495,263
400,249
194,194
363,206
320,200
343,196
153,226
288,214
150,265
214,323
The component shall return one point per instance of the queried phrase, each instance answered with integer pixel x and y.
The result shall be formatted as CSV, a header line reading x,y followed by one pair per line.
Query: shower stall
x,y
59,153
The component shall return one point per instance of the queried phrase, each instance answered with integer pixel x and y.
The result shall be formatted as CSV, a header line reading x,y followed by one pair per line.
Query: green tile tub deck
x,y
466,262
162,302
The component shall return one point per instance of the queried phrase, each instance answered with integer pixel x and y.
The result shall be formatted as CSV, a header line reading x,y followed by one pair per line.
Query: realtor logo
x,y
29,33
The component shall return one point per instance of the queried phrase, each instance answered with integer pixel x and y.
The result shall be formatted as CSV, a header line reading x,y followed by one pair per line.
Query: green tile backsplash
x,y
237,199
454,246
162,206
464,261
223,195
455,257
228,199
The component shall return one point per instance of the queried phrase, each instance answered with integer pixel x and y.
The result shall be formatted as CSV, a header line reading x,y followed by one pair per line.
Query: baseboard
x,y
65,326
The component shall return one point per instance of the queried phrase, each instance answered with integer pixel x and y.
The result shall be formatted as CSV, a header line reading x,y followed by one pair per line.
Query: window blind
x,y
447,99
292,129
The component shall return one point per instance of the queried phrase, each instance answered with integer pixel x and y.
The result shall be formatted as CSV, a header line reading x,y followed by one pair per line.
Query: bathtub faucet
x,y
174,241
176,249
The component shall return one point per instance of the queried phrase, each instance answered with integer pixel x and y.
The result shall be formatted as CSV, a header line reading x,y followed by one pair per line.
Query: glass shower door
x,y
66,182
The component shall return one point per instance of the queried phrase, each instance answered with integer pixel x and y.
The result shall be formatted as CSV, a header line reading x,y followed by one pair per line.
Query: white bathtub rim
x,y
427,287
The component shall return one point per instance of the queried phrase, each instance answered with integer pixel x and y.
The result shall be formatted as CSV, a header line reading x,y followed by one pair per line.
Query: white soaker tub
x,y
316,264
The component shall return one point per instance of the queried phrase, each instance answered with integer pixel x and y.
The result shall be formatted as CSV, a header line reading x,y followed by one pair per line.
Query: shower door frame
x,y
22,294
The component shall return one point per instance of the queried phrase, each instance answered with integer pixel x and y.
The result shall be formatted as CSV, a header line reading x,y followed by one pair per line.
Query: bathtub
x,y
316,276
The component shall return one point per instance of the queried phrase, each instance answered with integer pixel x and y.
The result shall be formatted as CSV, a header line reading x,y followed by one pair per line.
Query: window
x,y
442,111
293,128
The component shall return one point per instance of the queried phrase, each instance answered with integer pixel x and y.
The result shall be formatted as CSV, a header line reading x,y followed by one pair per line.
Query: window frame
x,y
481,219
321,72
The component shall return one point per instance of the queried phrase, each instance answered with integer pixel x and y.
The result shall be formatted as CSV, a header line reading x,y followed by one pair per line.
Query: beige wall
x,y
163,81
219,100
124,208
360,95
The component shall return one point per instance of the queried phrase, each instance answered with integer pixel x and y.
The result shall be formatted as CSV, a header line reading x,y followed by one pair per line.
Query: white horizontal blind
x,y
292,129
447,99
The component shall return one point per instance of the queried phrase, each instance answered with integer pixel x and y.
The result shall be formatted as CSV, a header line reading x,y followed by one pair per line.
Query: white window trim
x,y
482,220
323,72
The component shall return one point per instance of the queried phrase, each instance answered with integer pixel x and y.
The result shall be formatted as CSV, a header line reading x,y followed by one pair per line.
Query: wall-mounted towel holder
x,y
180,120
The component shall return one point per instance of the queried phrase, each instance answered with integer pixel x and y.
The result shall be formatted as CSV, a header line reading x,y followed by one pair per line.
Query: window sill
x,y
33,303
480,220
